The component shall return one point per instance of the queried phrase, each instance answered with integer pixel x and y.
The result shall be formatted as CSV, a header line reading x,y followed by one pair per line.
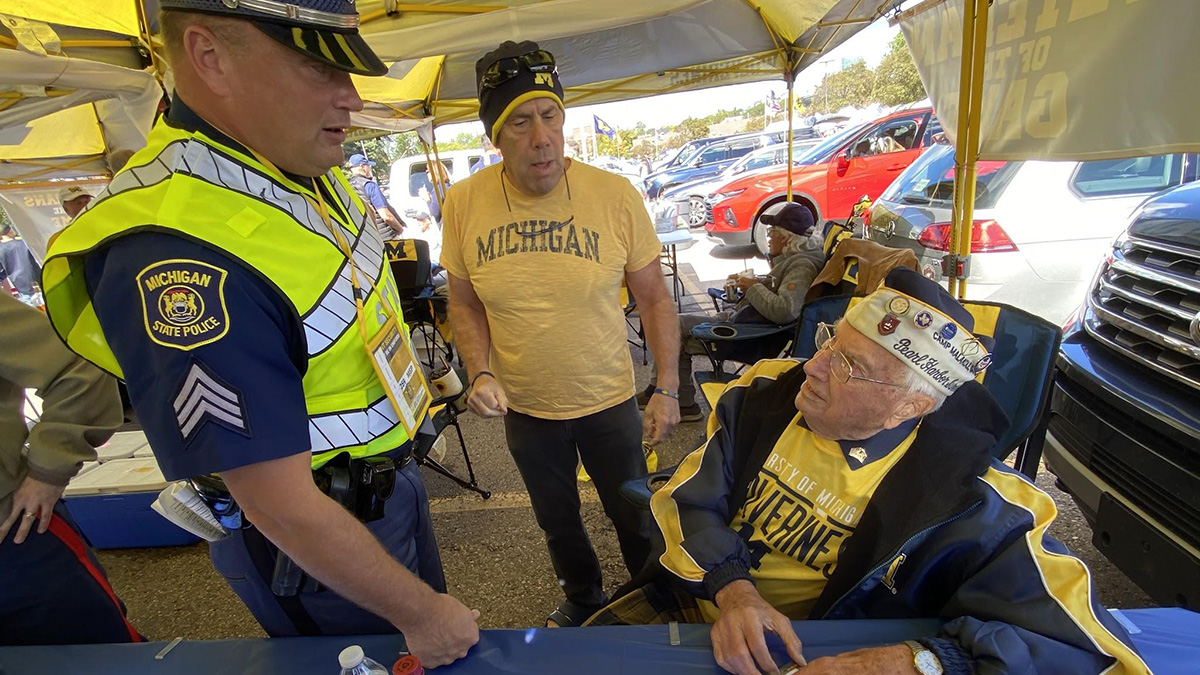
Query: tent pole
x,y
966,225
791,85
974,36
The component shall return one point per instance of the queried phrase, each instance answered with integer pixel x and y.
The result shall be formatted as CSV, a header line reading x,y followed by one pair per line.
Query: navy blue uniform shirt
x,y
212,356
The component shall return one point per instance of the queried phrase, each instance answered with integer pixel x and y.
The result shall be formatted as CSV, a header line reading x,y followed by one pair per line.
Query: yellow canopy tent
x,y
606,51
609,51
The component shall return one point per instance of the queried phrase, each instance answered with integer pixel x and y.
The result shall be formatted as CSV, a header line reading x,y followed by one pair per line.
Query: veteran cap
x,y
324,30
921,324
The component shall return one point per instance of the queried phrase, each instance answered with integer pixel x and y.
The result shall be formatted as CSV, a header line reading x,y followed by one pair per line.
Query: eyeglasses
x,y
540,61
839,365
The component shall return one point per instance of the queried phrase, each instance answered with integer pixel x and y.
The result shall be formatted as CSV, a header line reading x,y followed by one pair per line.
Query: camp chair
x,y
1020,378
443,413
629,308
420,304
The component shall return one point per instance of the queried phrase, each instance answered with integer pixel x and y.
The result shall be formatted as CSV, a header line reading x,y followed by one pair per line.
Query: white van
x,y
408,173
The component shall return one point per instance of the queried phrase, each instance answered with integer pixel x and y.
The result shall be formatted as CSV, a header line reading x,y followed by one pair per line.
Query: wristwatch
x,y
926,661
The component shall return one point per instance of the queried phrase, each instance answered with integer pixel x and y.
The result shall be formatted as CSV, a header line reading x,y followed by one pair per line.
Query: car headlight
x,y
721,196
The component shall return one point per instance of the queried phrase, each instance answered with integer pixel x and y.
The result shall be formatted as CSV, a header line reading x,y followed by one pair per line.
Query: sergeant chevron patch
x,y
204,398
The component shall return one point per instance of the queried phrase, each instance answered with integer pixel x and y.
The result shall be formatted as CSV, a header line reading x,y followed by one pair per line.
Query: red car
x,y
861,160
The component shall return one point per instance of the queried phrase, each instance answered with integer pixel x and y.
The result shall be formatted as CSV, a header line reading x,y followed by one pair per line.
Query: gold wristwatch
x,y
926,661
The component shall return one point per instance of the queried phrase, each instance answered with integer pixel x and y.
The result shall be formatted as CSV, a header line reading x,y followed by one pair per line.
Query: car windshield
x,y
772,155
686,154
930,180
821,152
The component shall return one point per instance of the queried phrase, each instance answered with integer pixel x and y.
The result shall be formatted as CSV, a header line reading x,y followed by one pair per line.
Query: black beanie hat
x,y
495,104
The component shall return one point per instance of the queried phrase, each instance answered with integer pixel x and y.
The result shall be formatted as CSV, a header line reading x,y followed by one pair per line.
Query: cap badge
x,y
949,331
858,454
898,306
924,319
983,364
971,348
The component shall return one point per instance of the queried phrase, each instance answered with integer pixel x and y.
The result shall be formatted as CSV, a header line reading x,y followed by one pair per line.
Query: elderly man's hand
x,y
659,419
891,660
739,635
33,502
743,283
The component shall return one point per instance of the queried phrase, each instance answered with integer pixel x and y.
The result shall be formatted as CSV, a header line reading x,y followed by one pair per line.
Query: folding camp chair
x,y
422,306
443,413
629,308
1019,378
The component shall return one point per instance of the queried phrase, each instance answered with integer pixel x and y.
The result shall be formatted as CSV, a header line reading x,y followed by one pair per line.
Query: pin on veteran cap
x,y
921,324
324,30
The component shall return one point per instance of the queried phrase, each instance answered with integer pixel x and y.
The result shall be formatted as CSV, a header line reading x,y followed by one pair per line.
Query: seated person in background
x,y
796,258
860,486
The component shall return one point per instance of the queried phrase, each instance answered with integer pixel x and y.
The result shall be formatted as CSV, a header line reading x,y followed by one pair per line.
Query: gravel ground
x,y
494,555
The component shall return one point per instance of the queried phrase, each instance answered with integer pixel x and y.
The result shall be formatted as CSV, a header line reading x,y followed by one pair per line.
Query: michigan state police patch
x,y
183,302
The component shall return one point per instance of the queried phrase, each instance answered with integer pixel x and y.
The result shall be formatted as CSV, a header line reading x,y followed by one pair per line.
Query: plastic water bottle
x,y
354,662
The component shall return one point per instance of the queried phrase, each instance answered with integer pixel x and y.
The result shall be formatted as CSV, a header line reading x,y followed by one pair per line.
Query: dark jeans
x,y
610,444
53,591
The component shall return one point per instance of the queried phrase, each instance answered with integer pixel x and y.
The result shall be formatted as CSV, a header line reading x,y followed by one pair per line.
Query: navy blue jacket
x,y
949,533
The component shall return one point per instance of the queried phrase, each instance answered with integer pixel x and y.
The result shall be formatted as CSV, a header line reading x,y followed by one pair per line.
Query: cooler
x,y
111,506
122,445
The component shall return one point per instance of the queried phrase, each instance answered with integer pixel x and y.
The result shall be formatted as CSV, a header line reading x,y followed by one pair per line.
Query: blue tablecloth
x,y
1166,638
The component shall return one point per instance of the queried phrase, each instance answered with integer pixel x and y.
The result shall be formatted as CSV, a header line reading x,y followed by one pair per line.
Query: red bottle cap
x,y
408,665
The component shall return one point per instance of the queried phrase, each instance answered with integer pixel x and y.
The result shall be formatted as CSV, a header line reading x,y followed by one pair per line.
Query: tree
x,y
896,78
385,150
643,148
692,129
620,145
755,124
851,86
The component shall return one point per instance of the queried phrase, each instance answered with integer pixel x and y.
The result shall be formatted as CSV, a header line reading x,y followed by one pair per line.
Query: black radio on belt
x,y
361,486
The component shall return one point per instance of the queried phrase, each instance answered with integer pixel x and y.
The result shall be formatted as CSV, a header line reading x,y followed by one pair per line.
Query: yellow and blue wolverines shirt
x,y
929,526
803,505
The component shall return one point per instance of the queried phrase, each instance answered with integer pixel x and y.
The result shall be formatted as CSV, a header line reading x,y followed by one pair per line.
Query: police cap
x,y
324,30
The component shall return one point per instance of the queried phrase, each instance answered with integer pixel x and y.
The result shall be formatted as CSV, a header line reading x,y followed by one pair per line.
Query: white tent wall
x,y
1069,80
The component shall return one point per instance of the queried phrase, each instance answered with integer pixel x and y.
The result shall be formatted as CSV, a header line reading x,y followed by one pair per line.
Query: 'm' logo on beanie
x,y
543,79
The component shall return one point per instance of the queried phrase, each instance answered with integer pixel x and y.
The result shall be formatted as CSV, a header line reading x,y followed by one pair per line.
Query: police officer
x,y
230,275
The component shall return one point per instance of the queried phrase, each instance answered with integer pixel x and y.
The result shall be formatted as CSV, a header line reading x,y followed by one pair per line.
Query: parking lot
x,y
493,552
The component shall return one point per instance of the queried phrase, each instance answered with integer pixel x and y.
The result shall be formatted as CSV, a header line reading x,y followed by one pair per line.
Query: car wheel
x,y
697,212
760,237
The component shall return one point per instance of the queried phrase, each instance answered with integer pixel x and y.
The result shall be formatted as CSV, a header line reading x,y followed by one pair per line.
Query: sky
x,y
869,44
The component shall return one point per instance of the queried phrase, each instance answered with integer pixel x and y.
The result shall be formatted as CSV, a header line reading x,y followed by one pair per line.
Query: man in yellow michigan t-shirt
x,y
537,248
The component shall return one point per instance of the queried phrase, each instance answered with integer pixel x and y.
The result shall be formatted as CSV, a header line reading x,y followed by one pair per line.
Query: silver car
x,y
1039,227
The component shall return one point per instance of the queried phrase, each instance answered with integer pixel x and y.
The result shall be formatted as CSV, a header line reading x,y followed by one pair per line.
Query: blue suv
x,y
1124,430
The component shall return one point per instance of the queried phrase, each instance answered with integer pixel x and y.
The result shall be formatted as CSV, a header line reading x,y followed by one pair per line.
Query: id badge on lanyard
x,y
395,363
390,351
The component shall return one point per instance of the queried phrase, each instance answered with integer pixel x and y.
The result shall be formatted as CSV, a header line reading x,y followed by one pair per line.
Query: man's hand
x,y
35,499
447,633
891,660
739,635
660,417
744,283
487,398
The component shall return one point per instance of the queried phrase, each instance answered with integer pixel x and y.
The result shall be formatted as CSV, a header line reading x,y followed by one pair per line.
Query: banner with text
x,y
36,213
1069,79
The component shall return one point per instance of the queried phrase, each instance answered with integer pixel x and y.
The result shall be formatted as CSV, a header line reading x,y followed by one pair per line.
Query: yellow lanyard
x,y
344,247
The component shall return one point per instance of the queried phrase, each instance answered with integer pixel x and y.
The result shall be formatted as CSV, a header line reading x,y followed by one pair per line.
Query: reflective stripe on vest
x,y
348,411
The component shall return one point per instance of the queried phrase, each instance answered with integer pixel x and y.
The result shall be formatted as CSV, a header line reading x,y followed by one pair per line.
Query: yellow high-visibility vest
x,y
188,184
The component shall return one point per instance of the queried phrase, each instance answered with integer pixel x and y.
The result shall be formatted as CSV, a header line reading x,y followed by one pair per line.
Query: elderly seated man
x,y
796,259
860,486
